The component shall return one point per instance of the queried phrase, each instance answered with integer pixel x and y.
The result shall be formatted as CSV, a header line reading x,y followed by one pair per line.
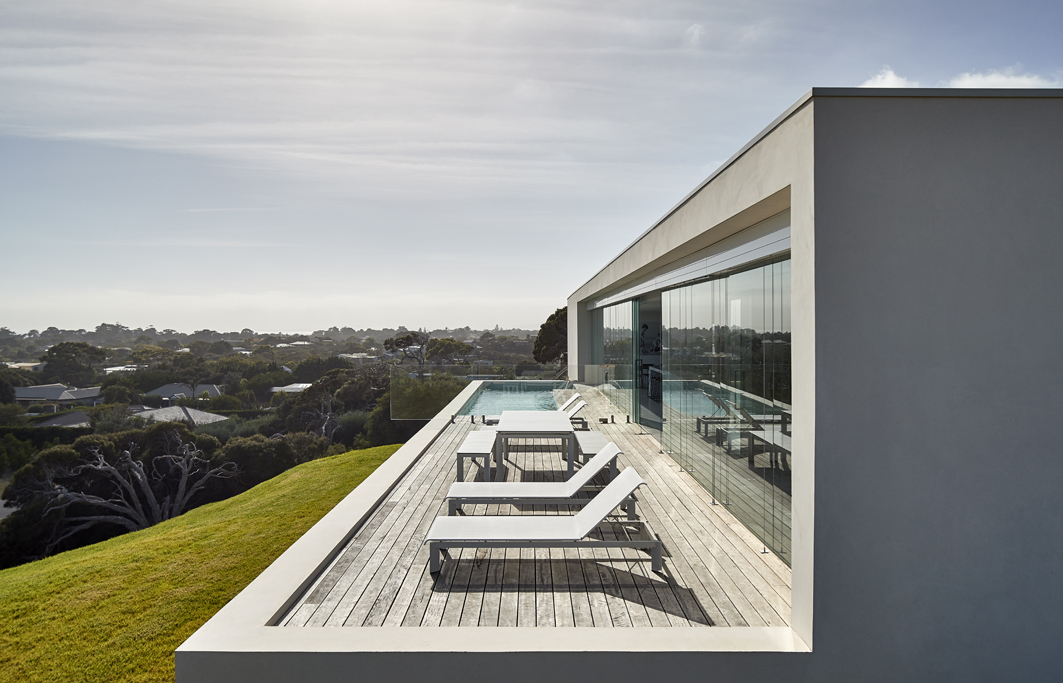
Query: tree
x,y
263,351
151,354
11,415
117,394
552,343
421,399
72,363
412,345
121,489
199,348
220,348
7,392
314,368
317,409
14,453
448,348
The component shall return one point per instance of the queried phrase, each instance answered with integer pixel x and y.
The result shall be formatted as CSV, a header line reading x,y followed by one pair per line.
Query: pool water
x,y
492,399
687,397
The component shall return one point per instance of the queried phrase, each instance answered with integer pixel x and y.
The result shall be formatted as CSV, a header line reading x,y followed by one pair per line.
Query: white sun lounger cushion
x,y
576,408
538,527
571,399
537,489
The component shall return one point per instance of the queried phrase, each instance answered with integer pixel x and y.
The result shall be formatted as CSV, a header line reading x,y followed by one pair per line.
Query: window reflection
x,y
726,391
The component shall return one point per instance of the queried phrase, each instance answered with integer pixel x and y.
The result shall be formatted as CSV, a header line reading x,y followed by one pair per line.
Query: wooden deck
x,y
758,495
714,571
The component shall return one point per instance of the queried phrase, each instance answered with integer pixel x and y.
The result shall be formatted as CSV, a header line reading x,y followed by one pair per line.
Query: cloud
x,y
694,34
888,79
242,208
1001,78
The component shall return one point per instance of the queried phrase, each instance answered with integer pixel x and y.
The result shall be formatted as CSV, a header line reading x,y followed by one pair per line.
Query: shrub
x,y
14,453
225,402
352,424
234,427
260,458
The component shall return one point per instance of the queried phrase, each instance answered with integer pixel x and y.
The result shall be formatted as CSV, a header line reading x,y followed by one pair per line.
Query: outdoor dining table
x,y
534,424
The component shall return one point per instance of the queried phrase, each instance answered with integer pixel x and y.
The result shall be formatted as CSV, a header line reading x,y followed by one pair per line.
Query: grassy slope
x,y
115,611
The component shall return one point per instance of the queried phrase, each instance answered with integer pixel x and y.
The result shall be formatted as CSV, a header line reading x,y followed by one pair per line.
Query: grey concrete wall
x,y
939,380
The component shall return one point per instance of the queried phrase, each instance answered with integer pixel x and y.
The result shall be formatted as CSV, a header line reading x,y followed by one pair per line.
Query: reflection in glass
x,y
726,393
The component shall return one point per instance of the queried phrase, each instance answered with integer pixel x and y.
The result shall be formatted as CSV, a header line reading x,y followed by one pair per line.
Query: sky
x,y
294,165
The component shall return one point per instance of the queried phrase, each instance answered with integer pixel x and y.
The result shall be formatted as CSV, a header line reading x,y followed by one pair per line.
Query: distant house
x,y
185,391
31,367
77,418
56,393
123,368
181,414
291,388
358,358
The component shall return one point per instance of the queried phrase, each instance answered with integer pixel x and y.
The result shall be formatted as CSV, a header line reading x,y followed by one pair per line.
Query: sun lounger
x,y
753,424
571,412
548,531
567,404
778,444
728,416
537,492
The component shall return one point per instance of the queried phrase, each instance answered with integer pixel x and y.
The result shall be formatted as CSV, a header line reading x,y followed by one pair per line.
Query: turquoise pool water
x,y
494,397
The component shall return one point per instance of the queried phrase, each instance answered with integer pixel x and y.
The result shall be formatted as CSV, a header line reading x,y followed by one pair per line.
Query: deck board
x,y
714,573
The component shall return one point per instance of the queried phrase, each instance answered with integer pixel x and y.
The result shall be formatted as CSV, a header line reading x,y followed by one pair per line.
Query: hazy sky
x,y
292,165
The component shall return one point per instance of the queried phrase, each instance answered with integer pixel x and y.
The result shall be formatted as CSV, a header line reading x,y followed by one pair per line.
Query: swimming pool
x,y
494,397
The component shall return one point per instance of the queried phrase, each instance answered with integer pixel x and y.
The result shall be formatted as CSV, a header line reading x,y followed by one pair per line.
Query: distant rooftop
x,y
169,390
291,388
182,414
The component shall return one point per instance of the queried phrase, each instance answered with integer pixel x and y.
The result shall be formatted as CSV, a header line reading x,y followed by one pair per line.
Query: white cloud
x,y
888,79
1001,78
694,34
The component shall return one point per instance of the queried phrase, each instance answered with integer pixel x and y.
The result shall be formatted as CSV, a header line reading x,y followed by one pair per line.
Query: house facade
x,y
827,273
875,278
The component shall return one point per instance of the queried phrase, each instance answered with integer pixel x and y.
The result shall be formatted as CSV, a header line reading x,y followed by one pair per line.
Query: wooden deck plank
x,y
713,573
724,573
509,591
362,593
736,579
747,581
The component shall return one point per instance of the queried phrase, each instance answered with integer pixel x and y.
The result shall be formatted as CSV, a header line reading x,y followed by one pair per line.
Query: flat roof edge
x,y
937,92
833,92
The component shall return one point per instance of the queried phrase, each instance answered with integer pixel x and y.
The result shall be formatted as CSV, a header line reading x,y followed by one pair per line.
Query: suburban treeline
x,y
76,486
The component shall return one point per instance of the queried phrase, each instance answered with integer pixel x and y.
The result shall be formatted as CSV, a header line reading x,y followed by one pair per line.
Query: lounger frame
x,y
644,539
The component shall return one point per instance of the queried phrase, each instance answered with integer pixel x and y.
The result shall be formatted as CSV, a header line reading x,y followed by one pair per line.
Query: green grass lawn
x,y
115,611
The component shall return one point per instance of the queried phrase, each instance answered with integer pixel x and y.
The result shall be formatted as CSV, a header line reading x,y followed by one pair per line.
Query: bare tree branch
x,y
177,474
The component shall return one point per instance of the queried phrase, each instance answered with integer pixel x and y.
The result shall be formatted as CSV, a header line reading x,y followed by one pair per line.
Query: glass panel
x,y
421,392
726,362
613,334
